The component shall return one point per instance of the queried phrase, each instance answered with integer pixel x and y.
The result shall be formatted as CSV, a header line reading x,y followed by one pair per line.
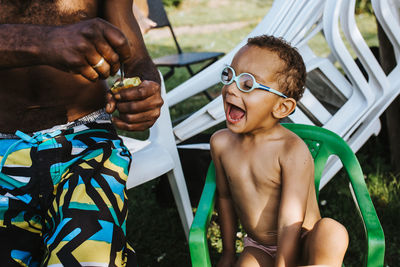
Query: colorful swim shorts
x,y
63,196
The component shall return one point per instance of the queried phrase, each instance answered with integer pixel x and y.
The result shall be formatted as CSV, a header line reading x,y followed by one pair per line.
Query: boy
x,y
265,173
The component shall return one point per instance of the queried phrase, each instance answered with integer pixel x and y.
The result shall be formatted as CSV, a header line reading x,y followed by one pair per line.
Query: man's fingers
x,y
140,92
111,103
141,126
112,58
108,42
106,51
89,73
118,42
139,106
150,115
114,69
150,103
100,65
81,46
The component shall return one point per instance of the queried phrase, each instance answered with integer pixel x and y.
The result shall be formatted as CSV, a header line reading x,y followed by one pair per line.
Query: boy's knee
x,y
334,233
326,243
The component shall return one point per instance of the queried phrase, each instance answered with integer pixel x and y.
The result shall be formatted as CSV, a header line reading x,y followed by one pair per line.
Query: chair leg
x,y
211,62
169,74
190,70
209,97
181,196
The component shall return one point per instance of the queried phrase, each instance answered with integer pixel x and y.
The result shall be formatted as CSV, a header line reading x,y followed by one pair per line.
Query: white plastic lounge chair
x,y
276,17
388,14
356,97
156,156
294,18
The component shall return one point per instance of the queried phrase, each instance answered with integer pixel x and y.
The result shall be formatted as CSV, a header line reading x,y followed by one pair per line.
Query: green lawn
x,y
155,230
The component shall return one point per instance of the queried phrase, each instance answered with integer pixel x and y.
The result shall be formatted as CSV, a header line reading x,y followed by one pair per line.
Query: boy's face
x,y
249,112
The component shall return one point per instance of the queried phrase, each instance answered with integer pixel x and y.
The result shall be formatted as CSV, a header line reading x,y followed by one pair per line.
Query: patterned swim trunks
x,y
63,196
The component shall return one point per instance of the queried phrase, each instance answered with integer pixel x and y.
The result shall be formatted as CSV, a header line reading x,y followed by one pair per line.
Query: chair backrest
x,y
296,21
322,144
276,19
158,14
388,14
330,100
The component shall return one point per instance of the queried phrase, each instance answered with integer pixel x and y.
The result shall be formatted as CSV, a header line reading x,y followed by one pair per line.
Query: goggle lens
x,y
246,82
227,75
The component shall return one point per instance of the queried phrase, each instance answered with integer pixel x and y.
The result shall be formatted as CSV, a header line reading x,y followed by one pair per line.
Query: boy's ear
x,y
284,108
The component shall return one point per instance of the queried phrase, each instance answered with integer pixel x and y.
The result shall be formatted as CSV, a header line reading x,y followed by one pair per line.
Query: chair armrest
x,y
198,245
373,229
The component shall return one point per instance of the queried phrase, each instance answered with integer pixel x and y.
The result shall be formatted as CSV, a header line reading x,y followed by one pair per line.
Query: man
x,y
140,10
63,168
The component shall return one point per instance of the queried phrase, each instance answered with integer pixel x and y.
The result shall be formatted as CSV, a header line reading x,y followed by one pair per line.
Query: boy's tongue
x,y
236,113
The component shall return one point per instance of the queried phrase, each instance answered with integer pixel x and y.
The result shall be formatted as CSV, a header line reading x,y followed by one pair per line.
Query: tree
x,y
388,62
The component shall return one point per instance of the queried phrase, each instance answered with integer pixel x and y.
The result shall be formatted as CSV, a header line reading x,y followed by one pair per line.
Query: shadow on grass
x,y
155,232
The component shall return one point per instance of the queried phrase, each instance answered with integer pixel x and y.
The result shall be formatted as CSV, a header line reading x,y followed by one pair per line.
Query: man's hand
x,y
139,107
79,47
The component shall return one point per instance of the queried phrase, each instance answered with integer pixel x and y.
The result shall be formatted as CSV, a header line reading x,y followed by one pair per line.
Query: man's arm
x,y
226,212
119,13
20,45
139,107
297,174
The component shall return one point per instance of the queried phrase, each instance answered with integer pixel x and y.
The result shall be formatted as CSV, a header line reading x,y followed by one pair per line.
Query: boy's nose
x,y
232,89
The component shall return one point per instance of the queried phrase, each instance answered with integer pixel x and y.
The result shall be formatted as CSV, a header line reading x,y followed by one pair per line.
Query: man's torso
x,y
38,97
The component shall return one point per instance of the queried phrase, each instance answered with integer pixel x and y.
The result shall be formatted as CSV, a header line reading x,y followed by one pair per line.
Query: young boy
x,y
265,173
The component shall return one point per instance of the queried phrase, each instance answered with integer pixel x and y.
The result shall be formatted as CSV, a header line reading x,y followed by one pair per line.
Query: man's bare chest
x,y
47,12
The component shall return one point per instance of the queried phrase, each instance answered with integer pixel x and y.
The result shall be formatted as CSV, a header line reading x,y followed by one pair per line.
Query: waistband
x,y
99,116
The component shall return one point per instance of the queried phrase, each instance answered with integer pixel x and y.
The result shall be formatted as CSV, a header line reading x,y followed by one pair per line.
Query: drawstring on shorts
x,y
35,140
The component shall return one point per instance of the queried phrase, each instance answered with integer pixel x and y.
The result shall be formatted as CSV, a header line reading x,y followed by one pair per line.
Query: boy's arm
x,y
226,213
297,173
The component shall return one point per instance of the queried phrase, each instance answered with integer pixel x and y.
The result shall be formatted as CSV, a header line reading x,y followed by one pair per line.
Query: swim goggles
x,y
245,81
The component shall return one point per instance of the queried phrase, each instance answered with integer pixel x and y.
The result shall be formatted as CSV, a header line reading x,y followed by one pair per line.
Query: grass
x,y
154,228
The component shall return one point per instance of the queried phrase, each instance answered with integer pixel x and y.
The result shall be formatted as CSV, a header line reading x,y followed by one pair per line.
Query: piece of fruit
x,y
127,82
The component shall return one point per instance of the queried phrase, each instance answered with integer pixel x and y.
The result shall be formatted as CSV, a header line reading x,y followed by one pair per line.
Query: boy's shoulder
x,y
293,145
296,161
221,138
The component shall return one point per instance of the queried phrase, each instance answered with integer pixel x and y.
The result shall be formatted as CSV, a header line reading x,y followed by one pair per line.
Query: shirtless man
x,y
264,172
54,58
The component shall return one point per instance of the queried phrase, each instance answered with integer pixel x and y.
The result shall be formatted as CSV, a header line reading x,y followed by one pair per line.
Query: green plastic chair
x,y
322,143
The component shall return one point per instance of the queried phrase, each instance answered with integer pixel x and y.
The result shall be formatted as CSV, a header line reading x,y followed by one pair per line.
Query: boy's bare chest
x,y
46,12
252,169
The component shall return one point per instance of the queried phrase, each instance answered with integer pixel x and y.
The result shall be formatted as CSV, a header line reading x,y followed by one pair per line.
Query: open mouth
x,y
234,114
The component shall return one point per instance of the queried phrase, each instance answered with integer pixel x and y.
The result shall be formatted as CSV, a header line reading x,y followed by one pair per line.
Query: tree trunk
x,y
388,62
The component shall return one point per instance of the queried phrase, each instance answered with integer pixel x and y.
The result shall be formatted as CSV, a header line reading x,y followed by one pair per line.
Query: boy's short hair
x,y
292,77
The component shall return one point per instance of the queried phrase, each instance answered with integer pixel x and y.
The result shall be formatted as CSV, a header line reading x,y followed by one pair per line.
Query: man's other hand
x,y
93,48
139,106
